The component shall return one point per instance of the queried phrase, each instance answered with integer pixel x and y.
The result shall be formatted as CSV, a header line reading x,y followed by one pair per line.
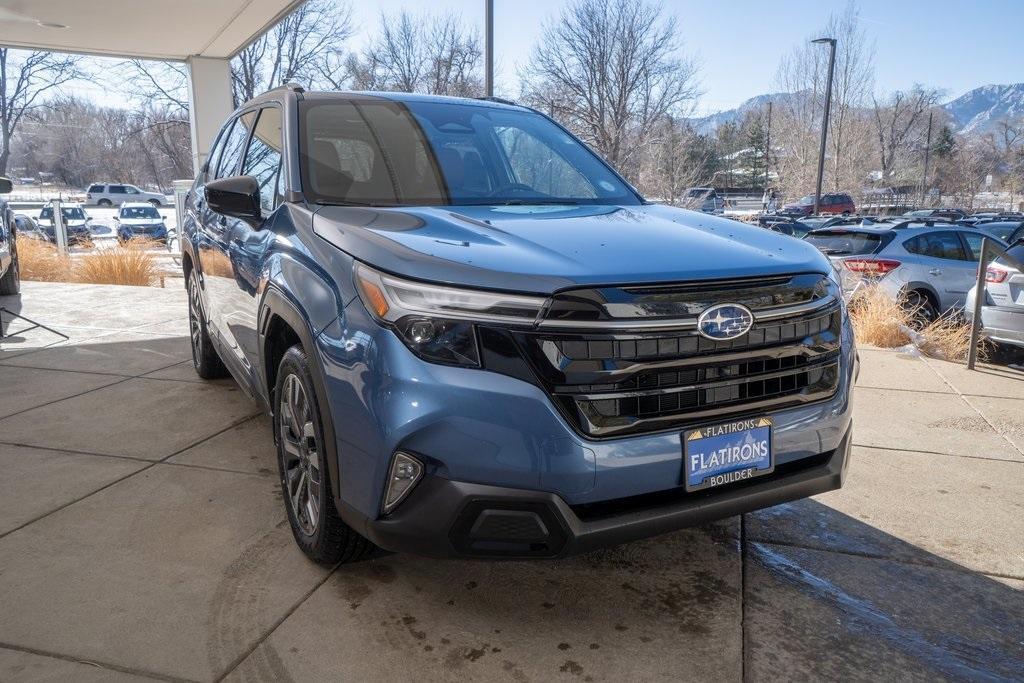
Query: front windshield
x,y
139,212
379,152
69,214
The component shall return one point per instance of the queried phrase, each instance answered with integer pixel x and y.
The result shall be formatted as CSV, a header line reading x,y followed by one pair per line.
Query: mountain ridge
x,y
972,112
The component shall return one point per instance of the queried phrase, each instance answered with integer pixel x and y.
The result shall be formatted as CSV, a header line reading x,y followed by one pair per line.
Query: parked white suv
x,y
106,194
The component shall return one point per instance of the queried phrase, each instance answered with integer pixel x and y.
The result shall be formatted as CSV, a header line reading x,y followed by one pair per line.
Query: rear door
x,y
944,264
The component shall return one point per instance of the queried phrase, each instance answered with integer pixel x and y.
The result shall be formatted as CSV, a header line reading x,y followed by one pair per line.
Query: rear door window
x,y
846,242
940,245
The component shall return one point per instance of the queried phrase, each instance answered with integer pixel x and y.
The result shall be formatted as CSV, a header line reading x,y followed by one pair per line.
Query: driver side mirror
x,y
6,186
237,196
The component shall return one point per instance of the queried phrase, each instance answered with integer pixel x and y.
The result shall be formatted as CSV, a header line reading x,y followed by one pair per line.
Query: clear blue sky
x,y
956,45
739,42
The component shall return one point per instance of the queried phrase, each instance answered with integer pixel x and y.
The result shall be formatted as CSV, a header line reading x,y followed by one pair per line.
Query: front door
x,y
247,244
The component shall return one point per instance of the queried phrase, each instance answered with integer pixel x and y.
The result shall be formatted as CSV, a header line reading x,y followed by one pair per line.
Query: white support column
x,y
209,95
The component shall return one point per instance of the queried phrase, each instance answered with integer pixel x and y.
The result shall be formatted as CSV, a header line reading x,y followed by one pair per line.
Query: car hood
x,y
542,249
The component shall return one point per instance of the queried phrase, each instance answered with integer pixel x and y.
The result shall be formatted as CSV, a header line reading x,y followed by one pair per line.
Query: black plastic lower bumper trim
x,y
439,514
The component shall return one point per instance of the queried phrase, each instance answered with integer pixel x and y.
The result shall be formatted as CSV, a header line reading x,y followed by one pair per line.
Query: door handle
x,y
223,221
935,271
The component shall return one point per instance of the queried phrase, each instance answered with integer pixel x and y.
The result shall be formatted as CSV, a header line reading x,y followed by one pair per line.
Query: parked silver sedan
x,y
1002,311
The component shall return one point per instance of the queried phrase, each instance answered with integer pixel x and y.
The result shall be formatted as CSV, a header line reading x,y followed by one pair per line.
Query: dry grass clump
x,y
879,320
41,261
131,264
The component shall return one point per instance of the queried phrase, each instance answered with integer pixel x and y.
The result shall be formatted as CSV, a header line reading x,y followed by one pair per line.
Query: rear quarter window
x,y
1016,252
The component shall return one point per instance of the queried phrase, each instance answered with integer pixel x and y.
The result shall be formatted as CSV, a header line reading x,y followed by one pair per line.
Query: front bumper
x,y
445,518
486,436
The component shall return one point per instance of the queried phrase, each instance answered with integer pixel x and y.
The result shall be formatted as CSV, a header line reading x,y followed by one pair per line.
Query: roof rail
x,y
499,100
291,85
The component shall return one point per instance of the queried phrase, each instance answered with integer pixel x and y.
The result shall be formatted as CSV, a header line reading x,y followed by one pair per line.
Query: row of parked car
x,y
133,220
927,260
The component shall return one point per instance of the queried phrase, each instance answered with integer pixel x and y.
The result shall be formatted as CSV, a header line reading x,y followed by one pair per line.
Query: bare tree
x,y
898,125
435,54
799,116
296,49
676,161
26,78
610,70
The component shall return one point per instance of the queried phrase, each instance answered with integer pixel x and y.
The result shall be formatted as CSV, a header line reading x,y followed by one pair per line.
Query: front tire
x,y
302,463
207,363
155,203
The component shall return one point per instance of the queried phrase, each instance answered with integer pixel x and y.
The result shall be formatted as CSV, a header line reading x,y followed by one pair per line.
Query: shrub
x,y
131,264
879,320
41,261
122,265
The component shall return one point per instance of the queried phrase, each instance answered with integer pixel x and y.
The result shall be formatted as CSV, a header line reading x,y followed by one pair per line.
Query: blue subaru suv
x,y
476,339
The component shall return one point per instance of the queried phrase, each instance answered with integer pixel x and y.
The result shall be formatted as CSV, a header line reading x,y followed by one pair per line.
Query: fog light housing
x,y
405,471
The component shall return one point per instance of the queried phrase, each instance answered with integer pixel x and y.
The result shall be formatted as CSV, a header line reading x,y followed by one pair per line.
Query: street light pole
x,y
824,123
927,150
489,48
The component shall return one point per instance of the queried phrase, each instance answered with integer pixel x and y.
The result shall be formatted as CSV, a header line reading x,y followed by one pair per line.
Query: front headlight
x,y
437,322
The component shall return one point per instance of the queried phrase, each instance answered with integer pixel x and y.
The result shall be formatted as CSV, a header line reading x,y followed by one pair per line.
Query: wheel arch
x,y
924,288
282,323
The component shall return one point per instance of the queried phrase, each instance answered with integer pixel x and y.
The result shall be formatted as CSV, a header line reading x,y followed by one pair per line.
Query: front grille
x,y
615,384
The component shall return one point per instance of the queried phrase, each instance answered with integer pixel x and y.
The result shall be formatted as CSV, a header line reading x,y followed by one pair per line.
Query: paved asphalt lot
x,y
142,535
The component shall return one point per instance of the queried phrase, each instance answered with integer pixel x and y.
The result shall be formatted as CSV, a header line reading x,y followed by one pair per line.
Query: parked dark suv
x,y
476,339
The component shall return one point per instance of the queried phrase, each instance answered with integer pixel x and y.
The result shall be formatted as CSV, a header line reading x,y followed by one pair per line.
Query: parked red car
x,y
834,203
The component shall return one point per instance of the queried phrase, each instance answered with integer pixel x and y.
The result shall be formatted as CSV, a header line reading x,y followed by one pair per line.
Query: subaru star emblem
x,y
725,321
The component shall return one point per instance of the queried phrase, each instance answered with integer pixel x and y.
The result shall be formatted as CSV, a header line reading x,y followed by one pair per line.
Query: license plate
x,y
725,453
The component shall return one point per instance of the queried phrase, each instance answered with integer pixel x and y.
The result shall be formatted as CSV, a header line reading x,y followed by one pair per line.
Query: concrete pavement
x,y
142,536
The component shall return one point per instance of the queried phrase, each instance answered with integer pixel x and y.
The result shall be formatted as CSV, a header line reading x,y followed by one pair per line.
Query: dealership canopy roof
x,y
147,29
205,34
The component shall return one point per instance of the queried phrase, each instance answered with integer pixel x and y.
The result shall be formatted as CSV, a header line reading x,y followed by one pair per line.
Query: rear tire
x,y
305,477
104,203
921,307
207,363
10,283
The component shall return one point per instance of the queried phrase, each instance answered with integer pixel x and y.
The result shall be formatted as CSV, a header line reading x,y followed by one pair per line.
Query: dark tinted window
x,y
973,242
944,245
1016,251
263,159
234,145
1001,229
432,153
95,188
846,242
116,189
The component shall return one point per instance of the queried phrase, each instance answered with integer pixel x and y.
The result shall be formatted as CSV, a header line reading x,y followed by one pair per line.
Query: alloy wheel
x,y
302,466
194,311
